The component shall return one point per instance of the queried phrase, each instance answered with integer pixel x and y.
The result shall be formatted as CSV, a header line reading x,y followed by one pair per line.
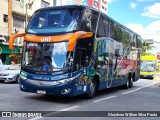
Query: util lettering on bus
x,y
46,39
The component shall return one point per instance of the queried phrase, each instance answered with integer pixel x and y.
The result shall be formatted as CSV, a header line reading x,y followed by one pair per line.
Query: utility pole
x,y
26,20
9,17
27,5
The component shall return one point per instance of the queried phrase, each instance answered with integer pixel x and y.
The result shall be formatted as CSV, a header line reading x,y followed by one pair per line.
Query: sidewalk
x,y
157,78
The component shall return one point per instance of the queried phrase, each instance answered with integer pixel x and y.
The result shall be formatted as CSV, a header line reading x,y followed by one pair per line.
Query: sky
x,y
141,16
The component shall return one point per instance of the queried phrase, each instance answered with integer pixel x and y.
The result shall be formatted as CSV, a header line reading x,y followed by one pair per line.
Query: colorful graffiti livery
x,y
74,50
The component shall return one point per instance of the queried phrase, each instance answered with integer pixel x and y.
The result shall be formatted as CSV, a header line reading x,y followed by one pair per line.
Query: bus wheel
x,y
17,79
129,83
92,90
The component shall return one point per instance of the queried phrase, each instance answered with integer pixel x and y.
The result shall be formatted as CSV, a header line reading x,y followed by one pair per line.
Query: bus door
x,y
104,64
109,58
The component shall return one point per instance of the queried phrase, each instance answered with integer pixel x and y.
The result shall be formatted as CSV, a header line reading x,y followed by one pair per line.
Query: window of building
x,y
18,23
5,18
44,4
21,3
54,2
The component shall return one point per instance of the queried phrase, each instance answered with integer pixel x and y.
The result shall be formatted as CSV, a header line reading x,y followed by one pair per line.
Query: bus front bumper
x,y
49,87
147,76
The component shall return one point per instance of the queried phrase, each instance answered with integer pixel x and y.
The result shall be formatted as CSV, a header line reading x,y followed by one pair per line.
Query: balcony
x,y
18,7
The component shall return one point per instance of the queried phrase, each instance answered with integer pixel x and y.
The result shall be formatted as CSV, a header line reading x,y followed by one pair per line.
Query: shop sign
x,y
5,50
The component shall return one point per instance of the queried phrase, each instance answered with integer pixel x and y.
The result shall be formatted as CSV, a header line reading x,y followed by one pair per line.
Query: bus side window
x,y
94,19
86,21
103,27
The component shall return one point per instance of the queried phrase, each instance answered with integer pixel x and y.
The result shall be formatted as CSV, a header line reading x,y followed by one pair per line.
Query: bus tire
x,y
129,82
17,79
92,90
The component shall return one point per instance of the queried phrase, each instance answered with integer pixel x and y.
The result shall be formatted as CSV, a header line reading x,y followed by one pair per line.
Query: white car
x,y
2,39
9,73
4,67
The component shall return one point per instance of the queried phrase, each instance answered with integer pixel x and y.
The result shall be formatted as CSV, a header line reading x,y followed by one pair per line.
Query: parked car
x,y
4,67
2,39
9,73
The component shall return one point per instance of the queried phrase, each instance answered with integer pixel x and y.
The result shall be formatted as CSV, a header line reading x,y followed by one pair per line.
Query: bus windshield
x,y
148,66
53,21
44,56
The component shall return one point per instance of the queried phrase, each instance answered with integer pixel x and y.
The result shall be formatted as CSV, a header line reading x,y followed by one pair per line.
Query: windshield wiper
x,y
29,66
57,68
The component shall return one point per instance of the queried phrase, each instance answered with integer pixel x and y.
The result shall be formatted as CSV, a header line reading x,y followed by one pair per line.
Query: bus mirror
x,y
13,37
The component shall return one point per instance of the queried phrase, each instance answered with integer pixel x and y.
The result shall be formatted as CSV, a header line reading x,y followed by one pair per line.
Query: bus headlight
x,y
22,77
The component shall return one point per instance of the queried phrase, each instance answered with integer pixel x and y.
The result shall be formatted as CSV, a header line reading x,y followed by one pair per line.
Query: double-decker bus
x,y
73,50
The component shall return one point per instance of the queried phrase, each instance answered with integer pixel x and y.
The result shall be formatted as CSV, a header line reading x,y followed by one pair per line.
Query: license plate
x,y
41,92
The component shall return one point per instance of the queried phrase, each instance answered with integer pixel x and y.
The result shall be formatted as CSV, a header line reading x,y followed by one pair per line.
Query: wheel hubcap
x,y
92,89
127,83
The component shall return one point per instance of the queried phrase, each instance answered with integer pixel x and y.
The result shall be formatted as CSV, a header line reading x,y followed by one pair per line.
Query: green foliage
x,y
146,47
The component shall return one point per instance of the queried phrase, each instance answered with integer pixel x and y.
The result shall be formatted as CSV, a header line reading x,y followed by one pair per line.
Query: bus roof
x,y
148,58
84,6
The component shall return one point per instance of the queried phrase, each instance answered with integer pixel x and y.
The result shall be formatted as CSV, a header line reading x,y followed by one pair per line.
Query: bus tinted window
x,y
53,21
44,56
89,20
86,20
103,27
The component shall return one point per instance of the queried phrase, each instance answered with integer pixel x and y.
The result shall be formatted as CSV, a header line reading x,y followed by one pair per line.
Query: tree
x,y
146,47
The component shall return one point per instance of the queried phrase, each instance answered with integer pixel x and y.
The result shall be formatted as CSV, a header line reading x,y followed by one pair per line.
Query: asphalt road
x,y
143,96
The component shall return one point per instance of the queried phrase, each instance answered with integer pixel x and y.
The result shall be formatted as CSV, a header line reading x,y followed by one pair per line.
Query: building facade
x,y
101,5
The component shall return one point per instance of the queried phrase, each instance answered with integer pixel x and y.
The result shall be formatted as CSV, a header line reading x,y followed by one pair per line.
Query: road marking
x,y
105,98
138,88
36,118
53,113
70,108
